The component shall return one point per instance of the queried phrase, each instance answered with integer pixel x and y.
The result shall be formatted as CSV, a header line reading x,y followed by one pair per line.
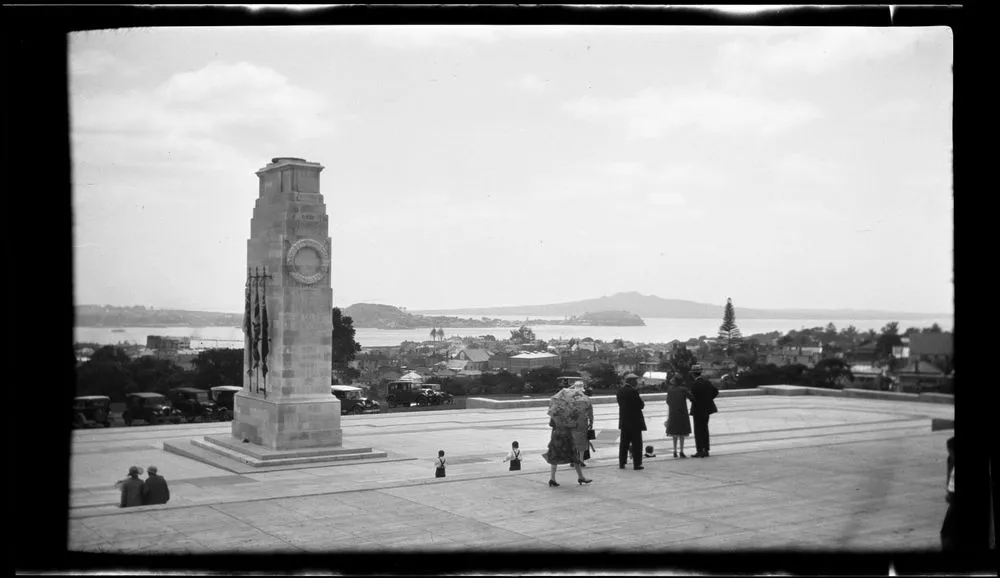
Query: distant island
x,y
139,316
653,306
370,315
365,315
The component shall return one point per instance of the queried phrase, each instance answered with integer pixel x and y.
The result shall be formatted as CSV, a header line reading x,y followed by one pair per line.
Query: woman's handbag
x,y
591,435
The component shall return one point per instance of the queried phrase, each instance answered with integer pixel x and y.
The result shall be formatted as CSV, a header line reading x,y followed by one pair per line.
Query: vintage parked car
x,y
92,410
352,402
193,403
568,380
152,408
225,397
436,396
404,393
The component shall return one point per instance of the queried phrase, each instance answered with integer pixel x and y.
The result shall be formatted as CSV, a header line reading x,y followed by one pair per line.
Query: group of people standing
x,y
571,416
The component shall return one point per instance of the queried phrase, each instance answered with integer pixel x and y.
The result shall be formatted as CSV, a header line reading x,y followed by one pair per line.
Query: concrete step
x,y
229,460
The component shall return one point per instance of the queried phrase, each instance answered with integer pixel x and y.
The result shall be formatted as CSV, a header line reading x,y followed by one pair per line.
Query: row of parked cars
x,y
216,404
399,394
179,404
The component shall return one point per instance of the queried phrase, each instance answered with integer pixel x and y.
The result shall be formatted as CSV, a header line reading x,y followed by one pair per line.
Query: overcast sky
x,y
482,166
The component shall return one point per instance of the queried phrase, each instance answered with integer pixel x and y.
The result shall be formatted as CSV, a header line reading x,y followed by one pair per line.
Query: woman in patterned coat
x,y
568,413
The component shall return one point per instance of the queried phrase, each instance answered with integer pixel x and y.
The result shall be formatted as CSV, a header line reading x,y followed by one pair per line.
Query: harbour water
x,y
656,330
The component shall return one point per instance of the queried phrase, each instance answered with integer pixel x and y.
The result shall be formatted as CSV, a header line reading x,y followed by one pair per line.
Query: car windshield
x,y
352,395
202,396
95,402
157,399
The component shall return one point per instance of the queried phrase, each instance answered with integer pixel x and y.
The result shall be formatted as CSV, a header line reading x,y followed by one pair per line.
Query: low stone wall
x,y
657,397
660,397
859,393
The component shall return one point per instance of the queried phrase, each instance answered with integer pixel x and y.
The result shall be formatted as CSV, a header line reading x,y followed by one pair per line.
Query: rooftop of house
x,y
920,367
477,355
931,344
535,355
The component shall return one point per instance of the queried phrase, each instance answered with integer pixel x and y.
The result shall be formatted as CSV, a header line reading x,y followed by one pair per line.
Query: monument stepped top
x,y
277,162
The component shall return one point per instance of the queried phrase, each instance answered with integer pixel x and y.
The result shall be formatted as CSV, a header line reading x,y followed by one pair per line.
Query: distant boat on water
x,y
117,331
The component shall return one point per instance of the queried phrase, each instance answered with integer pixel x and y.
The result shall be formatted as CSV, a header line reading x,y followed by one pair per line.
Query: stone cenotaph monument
x,y
291,407
286,414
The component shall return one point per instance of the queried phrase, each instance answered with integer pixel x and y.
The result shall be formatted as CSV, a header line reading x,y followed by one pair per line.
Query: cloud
x,y
427,36
90,62
624,168
901,109
800,168
668,199
815,50
207,117
653,112
532,83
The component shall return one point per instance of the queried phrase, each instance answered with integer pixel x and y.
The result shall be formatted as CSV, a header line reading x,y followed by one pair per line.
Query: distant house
x,y
477,359
807,356
919,375
653,378
500,360
388,374
529,361
865,353
935,348
645,366
866,376
167,344
457,364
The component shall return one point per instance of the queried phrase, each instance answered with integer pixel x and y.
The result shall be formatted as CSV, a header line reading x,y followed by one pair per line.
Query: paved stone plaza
x,y
786,472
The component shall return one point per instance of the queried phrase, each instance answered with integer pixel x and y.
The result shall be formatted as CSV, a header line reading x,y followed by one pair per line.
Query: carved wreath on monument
x,y
308,260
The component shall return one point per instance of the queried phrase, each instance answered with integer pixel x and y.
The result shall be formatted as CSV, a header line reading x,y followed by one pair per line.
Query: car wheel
x,y
390,401
127,418
80,421
421,401
357,410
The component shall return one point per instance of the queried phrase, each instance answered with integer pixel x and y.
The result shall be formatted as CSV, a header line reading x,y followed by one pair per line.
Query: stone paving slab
x,y
786,472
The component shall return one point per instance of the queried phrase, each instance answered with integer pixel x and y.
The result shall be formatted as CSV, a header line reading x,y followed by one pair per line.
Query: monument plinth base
x,y
231,454
288,423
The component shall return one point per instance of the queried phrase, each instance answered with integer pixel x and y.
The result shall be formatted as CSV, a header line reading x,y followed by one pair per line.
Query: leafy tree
x,y
159,375
543,379
744,361
602,374
523,334
218,367
682,360
888,339
933,329
111,354
729,334
344,345
828,372
618,343
103,378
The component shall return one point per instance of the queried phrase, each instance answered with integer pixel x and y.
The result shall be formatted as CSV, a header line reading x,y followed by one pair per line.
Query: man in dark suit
x,y
631,423
703,395
155,489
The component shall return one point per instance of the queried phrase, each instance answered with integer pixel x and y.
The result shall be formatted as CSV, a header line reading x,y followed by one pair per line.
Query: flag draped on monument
x,y
247,330
263,328
256,324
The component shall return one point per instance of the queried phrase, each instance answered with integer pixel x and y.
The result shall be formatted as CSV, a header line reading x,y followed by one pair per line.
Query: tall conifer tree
x,y
729,333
